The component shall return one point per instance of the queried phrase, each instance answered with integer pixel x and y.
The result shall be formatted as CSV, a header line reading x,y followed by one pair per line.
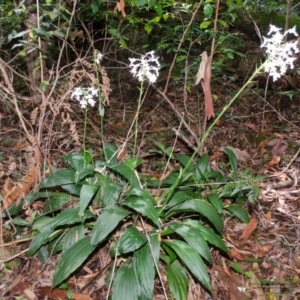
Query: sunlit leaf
x,y
192,260
193,237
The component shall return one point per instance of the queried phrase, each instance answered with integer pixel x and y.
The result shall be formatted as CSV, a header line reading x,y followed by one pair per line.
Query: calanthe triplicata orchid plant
x,y
151,239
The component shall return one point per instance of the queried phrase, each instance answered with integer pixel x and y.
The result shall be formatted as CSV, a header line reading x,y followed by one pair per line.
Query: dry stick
x,y
61,52
279,114
287,17
178,114
179,46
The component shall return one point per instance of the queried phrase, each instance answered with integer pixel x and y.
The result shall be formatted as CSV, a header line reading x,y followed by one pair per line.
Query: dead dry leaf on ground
x,y
249,229
14,192
241,155
232,282
56,294
273,162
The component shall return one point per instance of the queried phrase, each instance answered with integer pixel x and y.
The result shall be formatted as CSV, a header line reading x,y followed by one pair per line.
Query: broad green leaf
x,y
143,193
56,245
107,222
127,173
177,280
133,162
86,194
38,241
20,222
72,188
56,201
40,223
72,259
110,193
232,160
184,160
80,174
179,197
144,271
155,245
77,161
193,237
68,217
59,178
111,151
209,235
216,201
202,167
192,260
239,212
144,206
130,240
205,24
125,285
203,208
43,254
73,235
208,10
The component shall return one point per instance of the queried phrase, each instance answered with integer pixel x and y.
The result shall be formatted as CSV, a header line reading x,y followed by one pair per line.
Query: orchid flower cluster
x,y
280,54
147,67
97,57
85,96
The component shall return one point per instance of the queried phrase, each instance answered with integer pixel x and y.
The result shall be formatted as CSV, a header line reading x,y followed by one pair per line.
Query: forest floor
x,y
264,134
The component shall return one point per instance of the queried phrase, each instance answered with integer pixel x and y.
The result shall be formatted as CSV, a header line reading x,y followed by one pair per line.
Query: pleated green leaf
x,y
194,238
37,242
177,280
192,260
144,271
125,285
87,193
59,178
202,207
144,206
130,240
72,259
107,222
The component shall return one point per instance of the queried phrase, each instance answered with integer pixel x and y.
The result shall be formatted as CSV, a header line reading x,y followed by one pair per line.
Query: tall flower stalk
x,y
145,68
86,97
280,57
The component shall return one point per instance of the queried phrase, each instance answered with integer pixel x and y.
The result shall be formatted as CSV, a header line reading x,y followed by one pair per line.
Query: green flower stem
x,y
137,118
166,196
84,133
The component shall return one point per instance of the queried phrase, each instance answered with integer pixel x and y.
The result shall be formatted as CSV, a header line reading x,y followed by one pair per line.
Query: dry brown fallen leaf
x,y
249,229
56,294
14,191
